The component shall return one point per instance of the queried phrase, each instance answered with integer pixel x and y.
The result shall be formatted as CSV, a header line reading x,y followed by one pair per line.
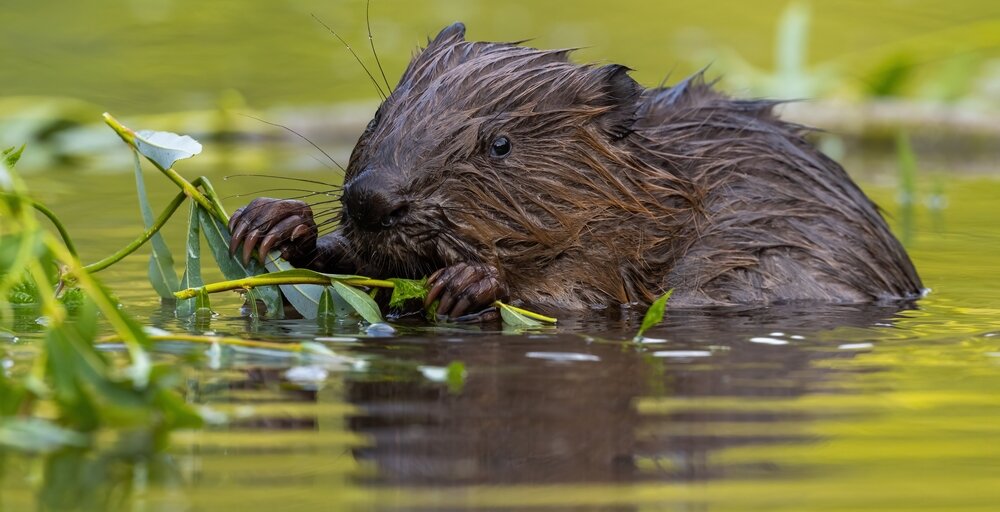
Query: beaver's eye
x,y
500,147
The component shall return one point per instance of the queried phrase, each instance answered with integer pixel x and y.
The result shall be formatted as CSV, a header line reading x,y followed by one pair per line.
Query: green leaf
x,y
456,376
192,262
72,299
303,297
518,317
513,317
360,301
12,155
38,435
654,315
406,289
165,148
332,306
162,275
24,291
217,235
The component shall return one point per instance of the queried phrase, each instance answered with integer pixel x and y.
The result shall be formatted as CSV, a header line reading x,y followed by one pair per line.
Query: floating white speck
x,y
797,337
214,354
434,373
682,354
768,341
307,374
777,334
336,339
855,346
652,341
563,356
380,330
154,331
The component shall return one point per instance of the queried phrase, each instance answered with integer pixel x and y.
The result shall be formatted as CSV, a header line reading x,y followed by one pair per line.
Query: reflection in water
x,y
834,408
534,411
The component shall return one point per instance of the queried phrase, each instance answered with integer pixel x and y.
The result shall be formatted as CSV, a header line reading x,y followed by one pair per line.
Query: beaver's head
x,y
487,152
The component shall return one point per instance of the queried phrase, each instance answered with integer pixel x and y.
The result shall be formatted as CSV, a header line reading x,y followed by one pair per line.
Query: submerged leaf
x,y
654,315
165,148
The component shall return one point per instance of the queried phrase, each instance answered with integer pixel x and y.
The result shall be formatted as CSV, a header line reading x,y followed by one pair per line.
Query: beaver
x,y
503,171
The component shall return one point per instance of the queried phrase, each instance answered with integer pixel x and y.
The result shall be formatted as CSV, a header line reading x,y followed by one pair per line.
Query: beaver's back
x,y
773,219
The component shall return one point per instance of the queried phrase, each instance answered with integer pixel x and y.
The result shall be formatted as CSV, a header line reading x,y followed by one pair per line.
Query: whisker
x,y
308,193
335,34
272,176
299,135
371,41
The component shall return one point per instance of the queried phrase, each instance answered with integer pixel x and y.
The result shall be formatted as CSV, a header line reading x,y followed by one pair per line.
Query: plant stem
x,y
57,223
267,280
146,235
222,340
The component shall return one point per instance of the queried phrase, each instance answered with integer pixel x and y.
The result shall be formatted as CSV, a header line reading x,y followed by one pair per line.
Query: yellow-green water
x,y
821,409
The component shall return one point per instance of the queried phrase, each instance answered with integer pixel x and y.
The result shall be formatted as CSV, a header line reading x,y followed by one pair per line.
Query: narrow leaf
x,y
165,148
518,317
654,315
161,263
360,301
192,261
514,318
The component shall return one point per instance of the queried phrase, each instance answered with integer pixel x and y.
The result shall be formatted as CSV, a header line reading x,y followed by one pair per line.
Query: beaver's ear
x,y
451,34
618,94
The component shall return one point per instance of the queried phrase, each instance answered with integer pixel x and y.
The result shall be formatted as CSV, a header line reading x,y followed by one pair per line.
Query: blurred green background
x,y
136,56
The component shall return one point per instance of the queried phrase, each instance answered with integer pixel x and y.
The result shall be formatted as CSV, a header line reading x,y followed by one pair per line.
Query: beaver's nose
x,y
371,203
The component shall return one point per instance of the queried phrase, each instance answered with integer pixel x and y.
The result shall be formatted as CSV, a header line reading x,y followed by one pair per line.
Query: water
x,y
821,408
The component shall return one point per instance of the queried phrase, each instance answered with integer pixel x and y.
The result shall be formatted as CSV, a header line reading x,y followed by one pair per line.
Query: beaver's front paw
x,y
465,288
283,224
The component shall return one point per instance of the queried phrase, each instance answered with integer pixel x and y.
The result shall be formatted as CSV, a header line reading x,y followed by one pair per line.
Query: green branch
x,y
273,279
44,210
143,238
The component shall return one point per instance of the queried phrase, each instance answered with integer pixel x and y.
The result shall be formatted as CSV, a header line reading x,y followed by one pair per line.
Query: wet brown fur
x,y
613,193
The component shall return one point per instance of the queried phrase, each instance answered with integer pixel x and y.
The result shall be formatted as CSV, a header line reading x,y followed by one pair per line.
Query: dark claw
x,y
266,224
237,239
463,288
249,244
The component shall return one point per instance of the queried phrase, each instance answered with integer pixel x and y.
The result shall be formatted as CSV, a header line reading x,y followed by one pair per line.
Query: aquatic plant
x,y
73,389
